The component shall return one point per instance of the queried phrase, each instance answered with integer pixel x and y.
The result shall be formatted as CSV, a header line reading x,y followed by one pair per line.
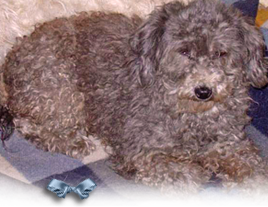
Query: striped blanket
x,y
23,162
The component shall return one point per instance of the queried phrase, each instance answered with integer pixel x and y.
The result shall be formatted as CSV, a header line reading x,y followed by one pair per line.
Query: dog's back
x,y
47,74
58,53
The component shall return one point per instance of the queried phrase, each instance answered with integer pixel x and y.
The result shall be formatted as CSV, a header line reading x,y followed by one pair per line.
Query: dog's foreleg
x,y
240,167
178,181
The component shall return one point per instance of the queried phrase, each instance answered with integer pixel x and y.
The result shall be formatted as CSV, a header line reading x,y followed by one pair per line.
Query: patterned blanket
x,y
22,161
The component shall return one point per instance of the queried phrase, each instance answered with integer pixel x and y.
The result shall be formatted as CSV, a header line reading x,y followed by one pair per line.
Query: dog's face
x,y
202,53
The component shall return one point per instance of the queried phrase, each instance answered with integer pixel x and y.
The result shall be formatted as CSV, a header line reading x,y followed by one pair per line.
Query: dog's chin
x,y
194,106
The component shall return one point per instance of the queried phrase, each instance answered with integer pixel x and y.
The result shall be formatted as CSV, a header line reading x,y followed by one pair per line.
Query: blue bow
x,y
61,188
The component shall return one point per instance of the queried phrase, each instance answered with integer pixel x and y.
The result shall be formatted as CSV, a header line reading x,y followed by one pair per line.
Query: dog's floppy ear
x,y
146,42
257,65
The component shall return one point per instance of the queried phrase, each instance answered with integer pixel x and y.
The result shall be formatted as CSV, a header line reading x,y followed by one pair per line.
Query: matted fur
x,y
132,83
18,17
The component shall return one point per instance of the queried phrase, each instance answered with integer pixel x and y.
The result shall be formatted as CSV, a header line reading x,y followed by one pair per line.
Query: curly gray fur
x,y
169,94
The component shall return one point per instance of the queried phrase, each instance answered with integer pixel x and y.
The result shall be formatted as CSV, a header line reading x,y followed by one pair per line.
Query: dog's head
x,y
202,53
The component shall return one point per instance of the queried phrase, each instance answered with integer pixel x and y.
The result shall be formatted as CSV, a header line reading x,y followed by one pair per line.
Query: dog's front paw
x,y
80,148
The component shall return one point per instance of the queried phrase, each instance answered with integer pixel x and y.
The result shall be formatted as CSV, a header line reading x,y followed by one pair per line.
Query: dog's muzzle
x,y
203,93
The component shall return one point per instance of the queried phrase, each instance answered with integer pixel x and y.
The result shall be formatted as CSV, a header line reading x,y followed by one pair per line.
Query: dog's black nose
x,y
203,93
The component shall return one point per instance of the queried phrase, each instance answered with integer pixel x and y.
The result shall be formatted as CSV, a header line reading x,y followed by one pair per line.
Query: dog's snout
x,y
203,93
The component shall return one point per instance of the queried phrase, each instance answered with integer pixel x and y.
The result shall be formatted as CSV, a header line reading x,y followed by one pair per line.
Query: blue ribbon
x,y
62,189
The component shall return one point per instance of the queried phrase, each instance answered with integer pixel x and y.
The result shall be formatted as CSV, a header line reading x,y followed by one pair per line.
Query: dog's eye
x,y
185,52
219,54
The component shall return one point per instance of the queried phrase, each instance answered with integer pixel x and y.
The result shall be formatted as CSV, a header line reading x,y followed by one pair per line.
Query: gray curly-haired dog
x,y
169,94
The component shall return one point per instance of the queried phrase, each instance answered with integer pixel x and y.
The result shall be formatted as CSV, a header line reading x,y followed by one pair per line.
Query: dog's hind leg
x,y
73,142
177,180
52,118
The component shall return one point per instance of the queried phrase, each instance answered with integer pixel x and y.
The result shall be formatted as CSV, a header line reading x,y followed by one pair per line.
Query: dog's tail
x,y
6,119
6,125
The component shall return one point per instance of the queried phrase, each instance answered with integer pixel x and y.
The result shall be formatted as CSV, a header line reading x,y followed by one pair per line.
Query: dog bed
x,y
25,171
